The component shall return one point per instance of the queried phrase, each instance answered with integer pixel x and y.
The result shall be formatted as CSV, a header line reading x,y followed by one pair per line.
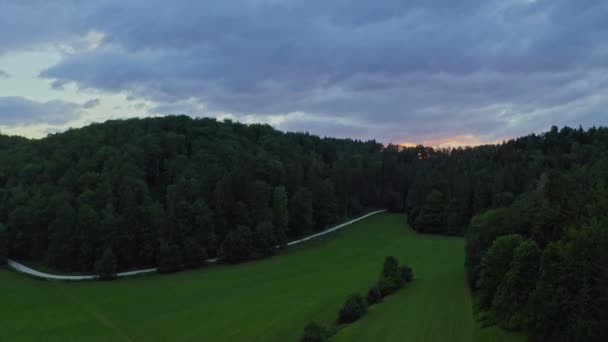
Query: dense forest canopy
x,y
173,191
535,214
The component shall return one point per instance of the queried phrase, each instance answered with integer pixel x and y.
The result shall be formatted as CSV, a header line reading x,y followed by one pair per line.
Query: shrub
x,y
106,266
406,273
373,295
314,332
353,309
387,286
390,268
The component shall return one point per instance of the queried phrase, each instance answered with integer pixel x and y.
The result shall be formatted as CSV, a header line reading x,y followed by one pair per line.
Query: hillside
x,y
172,191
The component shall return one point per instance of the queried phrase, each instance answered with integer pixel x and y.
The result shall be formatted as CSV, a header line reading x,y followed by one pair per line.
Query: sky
x,y
440,73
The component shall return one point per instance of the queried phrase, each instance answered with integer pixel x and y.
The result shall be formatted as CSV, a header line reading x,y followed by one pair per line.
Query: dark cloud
x,y
400,70
15,111
25,24
91,103
4,74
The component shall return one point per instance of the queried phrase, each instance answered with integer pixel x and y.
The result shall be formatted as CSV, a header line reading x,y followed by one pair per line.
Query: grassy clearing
x,y
266,300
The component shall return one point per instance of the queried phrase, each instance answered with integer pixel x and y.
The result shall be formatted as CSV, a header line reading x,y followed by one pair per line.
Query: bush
x,y
388,285
406,273
353,309
314,332
106,266
390,269
392,277
373,295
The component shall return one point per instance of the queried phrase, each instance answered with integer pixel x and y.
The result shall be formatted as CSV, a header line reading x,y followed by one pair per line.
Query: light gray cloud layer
x,y
393,70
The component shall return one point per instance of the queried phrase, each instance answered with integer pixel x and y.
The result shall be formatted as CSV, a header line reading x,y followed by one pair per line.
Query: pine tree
x,y
510,304
107,266
301,212
495,264
3,244
432,216
280,214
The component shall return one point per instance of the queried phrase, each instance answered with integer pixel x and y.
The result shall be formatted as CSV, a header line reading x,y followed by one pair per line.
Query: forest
x,y
534,211
173,191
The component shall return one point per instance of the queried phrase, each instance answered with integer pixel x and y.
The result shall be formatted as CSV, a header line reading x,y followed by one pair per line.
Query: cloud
x,y
17,111
91,103
4,74
392,70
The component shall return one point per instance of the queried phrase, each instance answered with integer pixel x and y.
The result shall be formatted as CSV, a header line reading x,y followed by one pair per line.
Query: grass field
x,y
266,300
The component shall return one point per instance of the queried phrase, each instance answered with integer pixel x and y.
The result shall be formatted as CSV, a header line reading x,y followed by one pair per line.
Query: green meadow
x,y
265,300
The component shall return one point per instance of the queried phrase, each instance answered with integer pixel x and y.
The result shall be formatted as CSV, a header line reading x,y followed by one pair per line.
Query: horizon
x,y
448,142
457,141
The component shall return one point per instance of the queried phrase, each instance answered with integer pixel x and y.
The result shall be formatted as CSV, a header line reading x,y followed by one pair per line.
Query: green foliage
x,y
482,232
280,213
503,199
510,304
548,313
3,244
406,273
495,264
393,277
353,309
259,195
394,202
324,204
106,267
432,216
374,295
264,239
241,215
193,253
238,245
300,207
390,268
387,286
169,257
314,332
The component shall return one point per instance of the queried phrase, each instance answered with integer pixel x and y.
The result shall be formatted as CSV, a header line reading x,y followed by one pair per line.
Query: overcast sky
x,y
418,71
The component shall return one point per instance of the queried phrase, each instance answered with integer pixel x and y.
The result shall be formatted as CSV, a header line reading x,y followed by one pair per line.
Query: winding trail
x,y
19,267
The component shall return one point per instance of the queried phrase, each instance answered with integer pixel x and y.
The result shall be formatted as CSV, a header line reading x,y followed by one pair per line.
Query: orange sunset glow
x,y
461,140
